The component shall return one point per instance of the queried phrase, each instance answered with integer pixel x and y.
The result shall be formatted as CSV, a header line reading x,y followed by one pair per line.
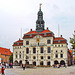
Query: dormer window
x,y
6,51
58,40
30,35
45,34
17,43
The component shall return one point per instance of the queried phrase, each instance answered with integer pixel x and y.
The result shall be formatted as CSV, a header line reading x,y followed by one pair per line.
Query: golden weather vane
x,y
40,5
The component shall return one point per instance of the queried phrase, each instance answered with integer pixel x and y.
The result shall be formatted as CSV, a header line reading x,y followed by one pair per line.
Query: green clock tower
x,y
40,22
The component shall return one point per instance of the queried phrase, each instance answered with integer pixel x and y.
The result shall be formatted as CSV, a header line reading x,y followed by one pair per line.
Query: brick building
x,y
4,54
70,57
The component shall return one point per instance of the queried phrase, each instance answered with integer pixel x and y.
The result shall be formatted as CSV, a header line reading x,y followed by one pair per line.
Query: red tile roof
x,y
71,52
18,43
5,51
59,40
34,32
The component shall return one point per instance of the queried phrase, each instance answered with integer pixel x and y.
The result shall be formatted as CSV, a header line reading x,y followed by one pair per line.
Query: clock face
x,y
38,40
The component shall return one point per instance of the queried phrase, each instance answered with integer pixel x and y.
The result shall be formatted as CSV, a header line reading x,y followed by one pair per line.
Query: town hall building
x,y
40,46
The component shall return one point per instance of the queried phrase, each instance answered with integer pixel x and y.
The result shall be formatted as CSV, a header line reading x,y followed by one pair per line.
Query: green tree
x,y
11,57
72,41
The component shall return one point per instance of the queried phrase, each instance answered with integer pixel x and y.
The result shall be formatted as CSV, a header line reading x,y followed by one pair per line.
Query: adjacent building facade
x,y
40,47
4,55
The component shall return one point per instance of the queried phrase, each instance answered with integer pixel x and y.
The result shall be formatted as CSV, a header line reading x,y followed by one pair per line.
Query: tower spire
x,y
40,22
40,5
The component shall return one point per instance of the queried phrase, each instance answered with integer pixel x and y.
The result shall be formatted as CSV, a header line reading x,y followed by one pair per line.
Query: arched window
x,y
48,50
48,57
56,55
41,51
34,57
27,50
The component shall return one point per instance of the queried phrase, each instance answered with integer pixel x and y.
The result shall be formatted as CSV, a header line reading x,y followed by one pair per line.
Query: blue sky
x,y
17,14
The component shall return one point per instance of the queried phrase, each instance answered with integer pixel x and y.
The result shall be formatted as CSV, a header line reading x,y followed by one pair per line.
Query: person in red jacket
x,y
2,70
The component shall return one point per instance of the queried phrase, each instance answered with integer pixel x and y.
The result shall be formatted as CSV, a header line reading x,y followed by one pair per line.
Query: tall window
x,y
56,55
41,51
27,57
48,57
34,50
27,50
56,51
61,55
19,56
48,41
48,50
20,51
41,57
16,56
61,51
27,42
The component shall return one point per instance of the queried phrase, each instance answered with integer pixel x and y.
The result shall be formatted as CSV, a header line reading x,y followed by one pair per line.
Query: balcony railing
x,y
40,44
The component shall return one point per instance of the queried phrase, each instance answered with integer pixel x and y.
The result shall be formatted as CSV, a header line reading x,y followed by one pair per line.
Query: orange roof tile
x,y
18,43
34,32
71,52
59,40
5,51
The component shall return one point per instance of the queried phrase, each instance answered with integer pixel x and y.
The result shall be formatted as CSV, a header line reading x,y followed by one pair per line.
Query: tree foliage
x,y
11,57
72,41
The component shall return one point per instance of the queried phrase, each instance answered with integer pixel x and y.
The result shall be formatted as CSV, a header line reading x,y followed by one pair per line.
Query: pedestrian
x,y
23,66
2,70
5,65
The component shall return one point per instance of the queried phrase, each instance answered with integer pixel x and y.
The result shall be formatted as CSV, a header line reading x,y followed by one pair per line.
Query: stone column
x,y
45,63
52,62
30,62
37,63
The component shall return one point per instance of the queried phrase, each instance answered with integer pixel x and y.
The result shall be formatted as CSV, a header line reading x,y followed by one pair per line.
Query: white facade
x,y
40,58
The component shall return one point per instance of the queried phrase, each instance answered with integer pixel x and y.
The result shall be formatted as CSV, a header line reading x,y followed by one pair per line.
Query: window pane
x,y
48,41
61,55
27,50
48,49
27,42
16,56
34,50
19,56
41,51
56,55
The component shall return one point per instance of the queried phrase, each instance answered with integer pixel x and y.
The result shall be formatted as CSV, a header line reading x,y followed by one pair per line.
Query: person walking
x,y
2,70
23,66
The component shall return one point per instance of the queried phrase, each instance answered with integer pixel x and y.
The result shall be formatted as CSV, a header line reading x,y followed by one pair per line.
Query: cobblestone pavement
x,y
41,71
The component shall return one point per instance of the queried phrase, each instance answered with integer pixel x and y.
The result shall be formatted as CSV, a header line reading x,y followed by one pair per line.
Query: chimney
x,y
47,28
19,38
30,29
60,35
